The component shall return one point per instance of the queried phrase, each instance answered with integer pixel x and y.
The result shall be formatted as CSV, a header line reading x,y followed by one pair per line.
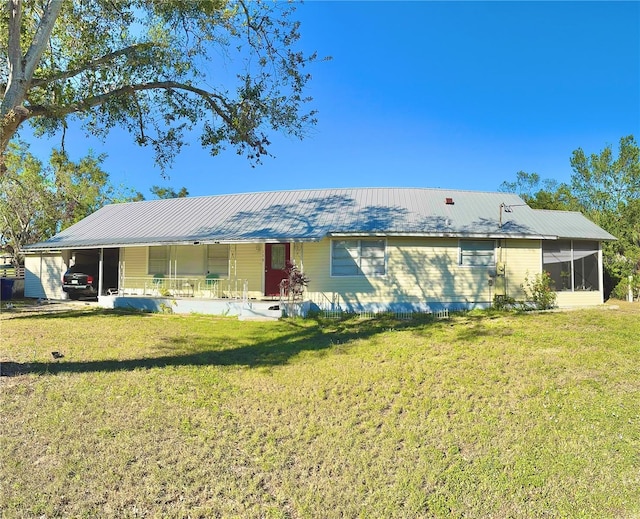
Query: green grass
x,y
487,415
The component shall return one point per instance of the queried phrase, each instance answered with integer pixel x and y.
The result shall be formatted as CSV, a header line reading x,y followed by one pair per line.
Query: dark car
x,y
80,281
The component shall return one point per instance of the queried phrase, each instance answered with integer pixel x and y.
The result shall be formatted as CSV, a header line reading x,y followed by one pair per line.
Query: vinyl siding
x,y
135,261
43,276
428,270
522,259
419,271
250,267
579,298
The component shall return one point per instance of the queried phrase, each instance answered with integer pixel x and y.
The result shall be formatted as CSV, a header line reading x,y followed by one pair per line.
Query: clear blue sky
x,y
455,95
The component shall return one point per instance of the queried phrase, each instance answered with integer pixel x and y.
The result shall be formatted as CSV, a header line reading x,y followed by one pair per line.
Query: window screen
x,y
585,266
477,253
572,265
358,258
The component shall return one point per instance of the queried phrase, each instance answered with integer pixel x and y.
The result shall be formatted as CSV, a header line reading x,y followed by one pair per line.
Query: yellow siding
x,y
43,275
521,257
421,270
249,265
524,257
418,271
135,261
579,298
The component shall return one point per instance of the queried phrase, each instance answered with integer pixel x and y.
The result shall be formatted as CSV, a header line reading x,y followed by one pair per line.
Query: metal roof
x,y
310,215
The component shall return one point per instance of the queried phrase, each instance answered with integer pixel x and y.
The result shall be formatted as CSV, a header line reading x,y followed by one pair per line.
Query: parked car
x,y
80,281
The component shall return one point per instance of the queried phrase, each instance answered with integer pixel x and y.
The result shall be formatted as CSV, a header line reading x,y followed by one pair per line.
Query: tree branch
x,y
107,58
33,55
14,55
215,102
211,99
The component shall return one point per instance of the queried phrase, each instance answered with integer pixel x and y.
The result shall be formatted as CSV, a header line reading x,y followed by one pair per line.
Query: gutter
x,y
492,236
41,248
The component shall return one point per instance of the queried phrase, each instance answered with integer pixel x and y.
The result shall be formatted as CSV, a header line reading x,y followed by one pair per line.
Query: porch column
x,y
298,255
100,271
600,272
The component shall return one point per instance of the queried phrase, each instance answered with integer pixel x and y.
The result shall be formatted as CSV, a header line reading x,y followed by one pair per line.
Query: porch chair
x,y
157,284
211,285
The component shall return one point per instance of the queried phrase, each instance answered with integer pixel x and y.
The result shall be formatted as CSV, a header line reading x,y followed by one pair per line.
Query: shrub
x,y
295,282
539,290
621,290
503,303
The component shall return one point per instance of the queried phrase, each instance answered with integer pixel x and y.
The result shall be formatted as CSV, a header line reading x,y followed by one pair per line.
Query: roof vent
x,y
448,201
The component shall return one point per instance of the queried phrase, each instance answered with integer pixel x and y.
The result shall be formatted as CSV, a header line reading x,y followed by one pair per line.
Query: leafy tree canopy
x,y
604,184
607,188
540,193
37,201
168,192
158,68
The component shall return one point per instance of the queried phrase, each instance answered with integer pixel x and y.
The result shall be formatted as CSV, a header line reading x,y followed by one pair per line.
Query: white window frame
x,y
358,258
469,252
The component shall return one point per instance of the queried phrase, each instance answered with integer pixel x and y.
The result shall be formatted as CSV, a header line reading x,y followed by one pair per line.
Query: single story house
x,y
363,249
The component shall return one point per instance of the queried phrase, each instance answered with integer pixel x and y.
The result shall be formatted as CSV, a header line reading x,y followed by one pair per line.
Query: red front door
x,y
275,262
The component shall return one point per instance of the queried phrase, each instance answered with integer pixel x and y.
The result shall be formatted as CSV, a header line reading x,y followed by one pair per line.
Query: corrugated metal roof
x,y
310,215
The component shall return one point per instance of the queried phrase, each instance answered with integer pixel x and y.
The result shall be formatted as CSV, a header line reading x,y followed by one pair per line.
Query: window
x,y
585,266
572,265
218,260
187,260
278,256
477,253
158,259
358,258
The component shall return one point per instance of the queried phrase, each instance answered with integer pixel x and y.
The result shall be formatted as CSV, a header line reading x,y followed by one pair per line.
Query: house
x,y
363,249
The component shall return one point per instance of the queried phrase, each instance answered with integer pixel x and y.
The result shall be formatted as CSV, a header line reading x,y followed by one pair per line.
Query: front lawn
x,y
489,415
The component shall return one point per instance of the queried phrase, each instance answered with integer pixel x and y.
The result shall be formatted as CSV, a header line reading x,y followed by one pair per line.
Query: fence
x,y
9,271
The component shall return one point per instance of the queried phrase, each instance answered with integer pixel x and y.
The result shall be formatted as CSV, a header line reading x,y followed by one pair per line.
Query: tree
x,y
607,189
37,201
605,185
146,66
80,188
540,193
168,192
26,203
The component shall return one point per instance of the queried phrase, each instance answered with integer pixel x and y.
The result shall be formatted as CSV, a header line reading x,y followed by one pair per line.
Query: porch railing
x,y
187,286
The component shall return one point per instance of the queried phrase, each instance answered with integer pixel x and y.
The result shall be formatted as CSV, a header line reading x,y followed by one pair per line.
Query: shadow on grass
x,y
317,337
45,312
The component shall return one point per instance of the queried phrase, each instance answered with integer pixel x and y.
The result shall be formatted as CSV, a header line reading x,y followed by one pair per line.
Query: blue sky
x,y
458,95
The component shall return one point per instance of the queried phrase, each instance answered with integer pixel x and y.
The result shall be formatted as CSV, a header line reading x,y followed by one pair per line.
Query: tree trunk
x,y
21,68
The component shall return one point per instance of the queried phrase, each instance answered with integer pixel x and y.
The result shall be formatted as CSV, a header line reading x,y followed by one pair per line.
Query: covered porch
x,y
229,279
210,271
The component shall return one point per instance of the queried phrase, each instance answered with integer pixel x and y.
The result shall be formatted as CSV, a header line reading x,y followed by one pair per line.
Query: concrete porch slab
x,y
224,307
